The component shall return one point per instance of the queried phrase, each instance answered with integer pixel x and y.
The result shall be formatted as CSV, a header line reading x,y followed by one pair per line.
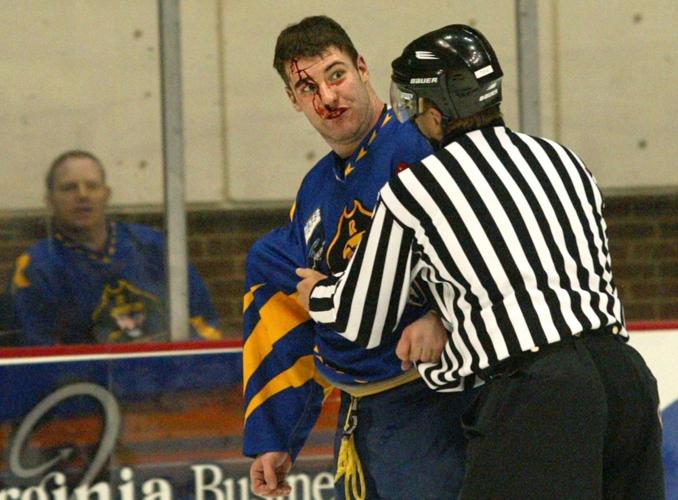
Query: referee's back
x,y
510,229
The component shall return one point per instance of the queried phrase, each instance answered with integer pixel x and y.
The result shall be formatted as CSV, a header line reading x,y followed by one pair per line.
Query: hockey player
x,y
390,422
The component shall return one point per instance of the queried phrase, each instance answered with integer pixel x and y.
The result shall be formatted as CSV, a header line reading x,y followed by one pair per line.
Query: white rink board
x,y
660,350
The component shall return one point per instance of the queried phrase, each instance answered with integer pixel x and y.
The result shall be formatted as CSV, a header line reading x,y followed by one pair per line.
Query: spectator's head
x,y
328,81
77,194
447,80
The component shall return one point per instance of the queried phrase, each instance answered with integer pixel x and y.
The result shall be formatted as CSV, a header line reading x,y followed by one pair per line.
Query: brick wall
x,y
643,233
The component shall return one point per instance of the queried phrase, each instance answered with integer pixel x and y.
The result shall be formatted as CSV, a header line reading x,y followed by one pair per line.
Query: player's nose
x,y
328,94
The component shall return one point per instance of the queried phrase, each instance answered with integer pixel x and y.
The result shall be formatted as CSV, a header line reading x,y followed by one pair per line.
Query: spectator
x,y
95,280
8,330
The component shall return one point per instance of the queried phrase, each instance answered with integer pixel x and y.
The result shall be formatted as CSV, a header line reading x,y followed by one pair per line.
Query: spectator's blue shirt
x,y
65,293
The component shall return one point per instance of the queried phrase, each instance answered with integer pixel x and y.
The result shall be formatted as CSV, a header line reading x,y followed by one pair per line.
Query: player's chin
x,y
344,133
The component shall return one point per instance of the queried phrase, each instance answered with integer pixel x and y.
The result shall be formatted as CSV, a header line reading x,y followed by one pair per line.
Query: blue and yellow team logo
x,y
350,230
126,313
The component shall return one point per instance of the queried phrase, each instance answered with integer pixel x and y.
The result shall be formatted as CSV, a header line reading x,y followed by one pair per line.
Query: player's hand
x,y
268,473
423,340
304,287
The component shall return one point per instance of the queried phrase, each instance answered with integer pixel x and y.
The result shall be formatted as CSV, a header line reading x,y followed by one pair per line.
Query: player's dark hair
x,y
310,37
62,158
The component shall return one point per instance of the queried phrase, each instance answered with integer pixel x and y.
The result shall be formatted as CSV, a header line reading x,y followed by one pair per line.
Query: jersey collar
x,y
344,167
104,256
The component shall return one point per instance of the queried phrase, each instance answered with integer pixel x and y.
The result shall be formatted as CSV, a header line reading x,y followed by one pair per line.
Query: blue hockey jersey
x,y
64,293
288,360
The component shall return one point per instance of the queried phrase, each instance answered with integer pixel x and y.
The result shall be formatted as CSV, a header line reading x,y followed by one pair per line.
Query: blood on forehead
x,y
302,74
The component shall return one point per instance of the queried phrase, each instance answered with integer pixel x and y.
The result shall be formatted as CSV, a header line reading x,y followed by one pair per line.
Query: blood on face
x,y
322,110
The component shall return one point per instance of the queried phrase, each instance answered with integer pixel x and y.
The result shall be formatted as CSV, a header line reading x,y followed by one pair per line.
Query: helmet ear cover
x,y
454,67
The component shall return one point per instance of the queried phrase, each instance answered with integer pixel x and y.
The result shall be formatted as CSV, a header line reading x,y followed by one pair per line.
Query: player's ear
x,y
363,71
292,98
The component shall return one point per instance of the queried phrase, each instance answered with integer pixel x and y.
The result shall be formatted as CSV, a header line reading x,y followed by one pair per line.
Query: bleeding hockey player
x,y
390,421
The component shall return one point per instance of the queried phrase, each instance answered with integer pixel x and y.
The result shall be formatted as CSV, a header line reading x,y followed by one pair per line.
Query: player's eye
x,y
308,89
337,75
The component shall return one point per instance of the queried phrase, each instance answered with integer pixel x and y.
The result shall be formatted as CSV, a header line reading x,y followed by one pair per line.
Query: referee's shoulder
x,y
414,167
403,175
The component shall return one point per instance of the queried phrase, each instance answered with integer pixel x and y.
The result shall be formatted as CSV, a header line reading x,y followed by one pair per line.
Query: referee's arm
x,y
369,297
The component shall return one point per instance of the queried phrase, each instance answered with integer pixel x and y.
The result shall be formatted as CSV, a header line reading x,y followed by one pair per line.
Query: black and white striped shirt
x,y
504,230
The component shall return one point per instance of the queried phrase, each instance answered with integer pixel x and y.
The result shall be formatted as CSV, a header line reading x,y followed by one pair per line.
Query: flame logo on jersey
x,y
350,229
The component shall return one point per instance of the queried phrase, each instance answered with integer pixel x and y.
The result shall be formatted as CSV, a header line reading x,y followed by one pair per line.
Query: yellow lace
x,y
348,461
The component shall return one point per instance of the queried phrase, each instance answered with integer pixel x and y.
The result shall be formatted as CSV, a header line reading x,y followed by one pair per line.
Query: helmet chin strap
x,y
444,122
435,144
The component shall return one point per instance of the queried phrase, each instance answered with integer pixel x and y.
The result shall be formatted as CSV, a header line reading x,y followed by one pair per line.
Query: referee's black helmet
x,y
455,67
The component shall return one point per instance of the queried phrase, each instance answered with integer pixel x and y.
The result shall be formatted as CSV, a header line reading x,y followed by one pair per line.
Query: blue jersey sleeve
x,y
34,301
282,389
204,319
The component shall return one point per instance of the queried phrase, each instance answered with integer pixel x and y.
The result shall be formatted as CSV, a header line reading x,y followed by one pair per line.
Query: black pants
x,y
578,420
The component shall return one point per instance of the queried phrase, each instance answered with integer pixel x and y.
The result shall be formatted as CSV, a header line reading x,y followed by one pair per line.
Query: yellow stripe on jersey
x,y
19,280
249,296
205,330
295,376
281,314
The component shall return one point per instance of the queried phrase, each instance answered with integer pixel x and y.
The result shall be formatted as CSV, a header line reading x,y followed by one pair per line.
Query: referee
x,y
505,231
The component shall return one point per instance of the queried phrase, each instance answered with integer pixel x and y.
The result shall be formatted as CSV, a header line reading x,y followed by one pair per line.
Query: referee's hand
x,y
305,286
422,341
